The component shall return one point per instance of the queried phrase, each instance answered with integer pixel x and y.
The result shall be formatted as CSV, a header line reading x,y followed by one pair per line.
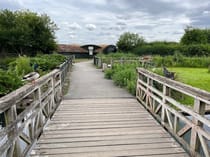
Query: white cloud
x,y
74,26
90,27
72,36
206,12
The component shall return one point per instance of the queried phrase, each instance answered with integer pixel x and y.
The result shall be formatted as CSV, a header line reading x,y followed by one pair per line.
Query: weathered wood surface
x,y
103,128
163,98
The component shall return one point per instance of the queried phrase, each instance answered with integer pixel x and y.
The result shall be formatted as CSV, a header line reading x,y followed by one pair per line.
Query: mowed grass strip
x,y
196,77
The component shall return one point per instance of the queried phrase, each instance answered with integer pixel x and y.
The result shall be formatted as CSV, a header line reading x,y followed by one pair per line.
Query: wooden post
x,y
199,107
11,116
111,62
165,93
148,92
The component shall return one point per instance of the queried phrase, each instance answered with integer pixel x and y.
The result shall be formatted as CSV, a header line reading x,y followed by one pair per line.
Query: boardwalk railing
x,y
156,94
27,110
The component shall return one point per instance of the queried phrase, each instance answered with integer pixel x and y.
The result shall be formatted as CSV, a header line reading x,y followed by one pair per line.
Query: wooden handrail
x,y
27,110
155,93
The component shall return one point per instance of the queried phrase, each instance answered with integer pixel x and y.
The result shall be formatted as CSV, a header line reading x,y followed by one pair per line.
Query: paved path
x,y
98,119
89,82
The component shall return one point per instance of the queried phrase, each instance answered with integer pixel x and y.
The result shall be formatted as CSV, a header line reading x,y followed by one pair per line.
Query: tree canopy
x,y
128,41
195,36
25,32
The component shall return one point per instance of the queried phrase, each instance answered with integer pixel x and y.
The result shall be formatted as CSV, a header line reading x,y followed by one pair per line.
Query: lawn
x,y
196,77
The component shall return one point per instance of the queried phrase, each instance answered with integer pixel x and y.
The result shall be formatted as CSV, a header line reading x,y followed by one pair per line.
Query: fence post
x,y
199,107
166,92
10,116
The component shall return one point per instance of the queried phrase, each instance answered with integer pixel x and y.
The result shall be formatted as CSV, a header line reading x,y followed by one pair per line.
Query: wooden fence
x,y
146,63
26,111
188,125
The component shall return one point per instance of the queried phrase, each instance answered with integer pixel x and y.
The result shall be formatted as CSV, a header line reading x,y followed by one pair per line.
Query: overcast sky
x,y
103,21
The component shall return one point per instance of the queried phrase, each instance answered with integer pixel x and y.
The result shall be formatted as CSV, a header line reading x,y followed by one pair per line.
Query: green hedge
x,y
170,49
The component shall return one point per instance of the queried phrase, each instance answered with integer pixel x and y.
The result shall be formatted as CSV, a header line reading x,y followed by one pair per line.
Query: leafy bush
x,y
9,81
109,73
21,66
48,62
4,62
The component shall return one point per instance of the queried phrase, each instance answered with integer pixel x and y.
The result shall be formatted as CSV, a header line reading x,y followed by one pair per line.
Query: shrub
x,y
4,62
9,81
21,66
124,76
48,62
109,73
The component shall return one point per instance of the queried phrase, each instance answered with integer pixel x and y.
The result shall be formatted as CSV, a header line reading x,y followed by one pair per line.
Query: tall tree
x,y
128,41
25,32
195,36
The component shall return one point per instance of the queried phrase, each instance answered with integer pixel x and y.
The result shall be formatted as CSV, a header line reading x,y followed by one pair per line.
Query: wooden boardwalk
x,y
103,128
98,119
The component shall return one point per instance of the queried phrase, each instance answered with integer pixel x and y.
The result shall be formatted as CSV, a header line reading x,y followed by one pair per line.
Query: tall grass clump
x,y
124,75
21,66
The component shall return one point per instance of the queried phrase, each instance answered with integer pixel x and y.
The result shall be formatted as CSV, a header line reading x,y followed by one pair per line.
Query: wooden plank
x,y
70,127
100,120
68,138
107,152
93,134
106,130
151,155
110,116
95,123
159,141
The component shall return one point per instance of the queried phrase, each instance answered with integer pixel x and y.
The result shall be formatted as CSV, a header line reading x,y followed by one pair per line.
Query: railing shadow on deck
x,y
156,93
26,111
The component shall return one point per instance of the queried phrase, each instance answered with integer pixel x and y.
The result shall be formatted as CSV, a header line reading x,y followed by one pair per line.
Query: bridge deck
x,y
103,121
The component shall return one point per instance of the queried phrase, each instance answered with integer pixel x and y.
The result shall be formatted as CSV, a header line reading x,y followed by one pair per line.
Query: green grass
x,y
196,77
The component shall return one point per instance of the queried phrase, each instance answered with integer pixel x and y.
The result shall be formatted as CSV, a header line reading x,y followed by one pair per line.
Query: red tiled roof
x,y
71,48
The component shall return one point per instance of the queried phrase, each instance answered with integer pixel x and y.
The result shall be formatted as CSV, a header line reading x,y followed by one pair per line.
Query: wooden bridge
x,y
97,119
